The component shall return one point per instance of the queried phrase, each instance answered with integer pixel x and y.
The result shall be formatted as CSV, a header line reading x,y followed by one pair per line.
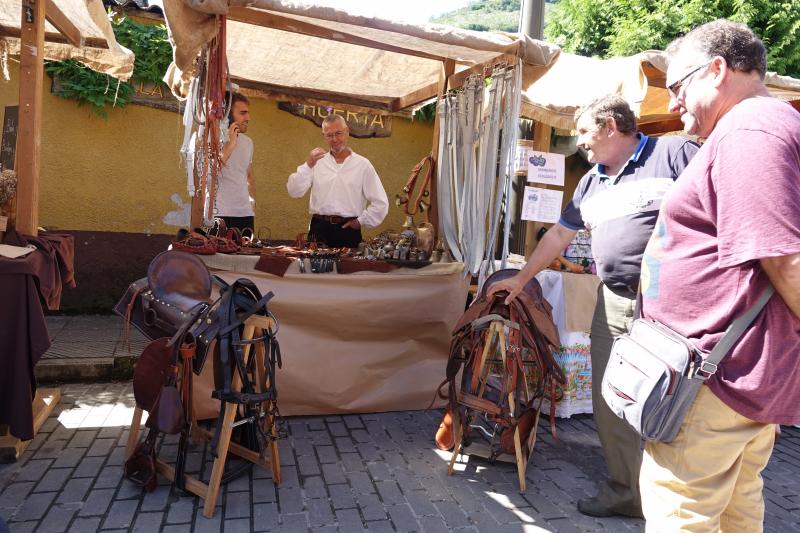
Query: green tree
x,y
485,15
605,28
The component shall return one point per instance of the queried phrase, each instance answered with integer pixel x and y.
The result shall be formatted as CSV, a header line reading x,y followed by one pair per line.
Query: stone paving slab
x,y
369,472
90,337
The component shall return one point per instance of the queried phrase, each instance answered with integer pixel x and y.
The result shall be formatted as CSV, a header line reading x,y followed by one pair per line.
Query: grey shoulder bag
x,y
654,374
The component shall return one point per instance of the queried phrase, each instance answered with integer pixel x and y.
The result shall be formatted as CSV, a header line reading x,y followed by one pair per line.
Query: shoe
x,y
593,507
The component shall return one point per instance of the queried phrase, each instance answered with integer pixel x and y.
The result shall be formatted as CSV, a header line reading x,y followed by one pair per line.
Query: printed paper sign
x,y
544,167
542,205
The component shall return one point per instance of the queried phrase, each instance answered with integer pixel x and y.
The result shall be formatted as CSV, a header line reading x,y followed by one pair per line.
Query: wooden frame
x,y
496,338
254,327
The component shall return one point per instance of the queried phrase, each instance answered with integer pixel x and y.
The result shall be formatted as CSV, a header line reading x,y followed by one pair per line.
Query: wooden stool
x,y
254,327
496,341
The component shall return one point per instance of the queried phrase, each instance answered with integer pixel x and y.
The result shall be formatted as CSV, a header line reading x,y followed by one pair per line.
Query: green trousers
x,y
622,446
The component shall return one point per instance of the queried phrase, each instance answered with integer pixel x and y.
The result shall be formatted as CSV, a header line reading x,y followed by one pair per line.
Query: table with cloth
x,y
360,342
23,334
573,297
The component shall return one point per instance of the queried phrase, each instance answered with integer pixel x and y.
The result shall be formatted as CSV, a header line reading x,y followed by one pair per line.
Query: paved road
x,y
375,472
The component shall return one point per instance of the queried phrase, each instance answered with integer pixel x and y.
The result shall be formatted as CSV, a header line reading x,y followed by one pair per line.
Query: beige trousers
x,y
709,477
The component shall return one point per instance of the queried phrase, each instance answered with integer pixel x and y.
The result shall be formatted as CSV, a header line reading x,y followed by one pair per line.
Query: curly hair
x,y
734,42
610,105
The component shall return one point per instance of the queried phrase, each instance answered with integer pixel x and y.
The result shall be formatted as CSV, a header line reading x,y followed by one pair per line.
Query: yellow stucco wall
x,y
123,173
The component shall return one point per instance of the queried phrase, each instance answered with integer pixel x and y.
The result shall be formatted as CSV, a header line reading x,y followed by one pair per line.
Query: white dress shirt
x,y
352,189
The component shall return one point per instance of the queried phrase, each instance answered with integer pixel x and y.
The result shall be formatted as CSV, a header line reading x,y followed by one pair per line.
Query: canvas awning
x,y
575,80
75,29
312,51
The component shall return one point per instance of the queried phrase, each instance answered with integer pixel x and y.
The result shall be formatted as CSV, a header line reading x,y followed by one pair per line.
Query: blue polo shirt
x,y
620,211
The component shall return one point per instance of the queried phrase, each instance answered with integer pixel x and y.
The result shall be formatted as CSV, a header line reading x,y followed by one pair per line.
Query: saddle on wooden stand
x,y
173,307
504,355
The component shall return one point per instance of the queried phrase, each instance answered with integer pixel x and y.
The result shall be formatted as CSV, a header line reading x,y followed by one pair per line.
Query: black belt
x,y
624,291
333,219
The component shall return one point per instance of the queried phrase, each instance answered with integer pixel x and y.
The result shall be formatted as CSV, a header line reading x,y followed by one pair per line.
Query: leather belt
x,y
333,219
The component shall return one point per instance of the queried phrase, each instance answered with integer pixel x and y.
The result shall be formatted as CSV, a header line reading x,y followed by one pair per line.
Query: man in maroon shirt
x,y
729,228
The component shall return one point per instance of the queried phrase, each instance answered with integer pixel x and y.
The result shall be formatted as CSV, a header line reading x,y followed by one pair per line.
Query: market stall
x,y
37,30
379,338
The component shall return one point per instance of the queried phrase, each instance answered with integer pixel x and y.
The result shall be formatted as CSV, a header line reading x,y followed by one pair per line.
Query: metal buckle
x,y
706,370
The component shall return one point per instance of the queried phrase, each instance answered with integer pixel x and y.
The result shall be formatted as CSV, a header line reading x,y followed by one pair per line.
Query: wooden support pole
x,y
541,143
30,115
448,68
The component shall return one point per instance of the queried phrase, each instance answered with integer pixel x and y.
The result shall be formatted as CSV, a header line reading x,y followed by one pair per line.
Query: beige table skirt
x,y
363,342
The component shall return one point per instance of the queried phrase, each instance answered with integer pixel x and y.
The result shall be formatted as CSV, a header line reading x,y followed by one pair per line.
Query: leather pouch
x,y
140,468
167,415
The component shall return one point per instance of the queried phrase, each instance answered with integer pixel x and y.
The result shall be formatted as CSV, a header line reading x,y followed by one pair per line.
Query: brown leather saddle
x,y
531,339
173,298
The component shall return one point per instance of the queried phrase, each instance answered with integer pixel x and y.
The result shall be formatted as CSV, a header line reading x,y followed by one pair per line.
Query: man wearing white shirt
x,y
346,192
236,195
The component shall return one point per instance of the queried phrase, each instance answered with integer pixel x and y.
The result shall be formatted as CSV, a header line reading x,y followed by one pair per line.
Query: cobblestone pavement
x,y
375,472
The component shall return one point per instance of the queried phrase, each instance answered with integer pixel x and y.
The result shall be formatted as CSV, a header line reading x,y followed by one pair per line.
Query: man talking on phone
x,y
236,195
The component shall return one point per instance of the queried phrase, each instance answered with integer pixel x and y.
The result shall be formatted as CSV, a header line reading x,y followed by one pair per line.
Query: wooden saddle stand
x,y
240,334
255,326
504,355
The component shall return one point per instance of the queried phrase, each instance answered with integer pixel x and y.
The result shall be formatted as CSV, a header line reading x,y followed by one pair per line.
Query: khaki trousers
x,y
622,446
709,477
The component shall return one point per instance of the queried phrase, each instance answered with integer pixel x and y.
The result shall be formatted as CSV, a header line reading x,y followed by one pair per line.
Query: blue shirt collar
x,y
601,169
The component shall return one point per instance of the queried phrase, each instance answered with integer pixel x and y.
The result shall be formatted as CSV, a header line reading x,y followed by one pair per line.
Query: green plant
x,y
153,55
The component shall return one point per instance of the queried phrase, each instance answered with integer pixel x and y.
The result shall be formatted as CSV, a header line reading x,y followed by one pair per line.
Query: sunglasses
x,y
675,88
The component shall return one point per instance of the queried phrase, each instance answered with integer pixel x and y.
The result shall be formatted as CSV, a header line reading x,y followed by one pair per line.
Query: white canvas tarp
x,y
575,80
100,52
368,58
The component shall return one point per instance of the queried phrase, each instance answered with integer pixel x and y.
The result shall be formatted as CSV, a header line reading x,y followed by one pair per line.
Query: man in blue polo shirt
x,y
618,202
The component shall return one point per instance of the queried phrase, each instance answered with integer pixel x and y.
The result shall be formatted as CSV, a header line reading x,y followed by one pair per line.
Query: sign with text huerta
x,y
547,168
361,124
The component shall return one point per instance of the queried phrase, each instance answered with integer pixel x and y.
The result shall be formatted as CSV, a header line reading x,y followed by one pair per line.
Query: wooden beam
x,y
11,448
269,19
63,24
448,68
29,132
54,37
320,102
413,98
662,126
484,69
276,91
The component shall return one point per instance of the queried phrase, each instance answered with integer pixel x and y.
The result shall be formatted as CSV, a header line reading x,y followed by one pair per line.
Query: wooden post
x,y
29,134
541,143
448,68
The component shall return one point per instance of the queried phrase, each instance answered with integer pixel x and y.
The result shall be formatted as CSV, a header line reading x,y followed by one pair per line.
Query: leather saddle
x,y
174,298
531,338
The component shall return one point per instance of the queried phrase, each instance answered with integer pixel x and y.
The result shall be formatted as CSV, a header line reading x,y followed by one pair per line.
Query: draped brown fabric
x,y
23,335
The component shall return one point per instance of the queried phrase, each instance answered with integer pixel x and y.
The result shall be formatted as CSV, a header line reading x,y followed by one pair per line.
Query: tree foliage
x,y
604,28
486,15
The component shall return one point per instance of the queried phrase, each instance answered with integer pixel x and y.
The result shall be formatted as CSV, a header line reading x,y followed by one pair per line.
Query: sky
x,y
413,11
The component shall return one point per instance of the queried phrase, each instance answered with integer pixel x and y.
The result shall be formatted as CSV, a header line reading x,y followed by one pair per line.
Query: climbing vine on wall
x,y
153,55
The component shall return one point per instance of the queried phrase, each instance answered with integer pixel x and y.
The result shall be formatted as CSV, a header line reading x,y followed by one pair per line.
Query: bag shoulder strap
x,y
735,331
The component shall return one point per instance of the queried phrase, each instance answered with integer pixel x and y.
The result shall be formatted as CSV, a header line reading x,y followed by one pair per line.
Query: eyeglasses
x,y
336,134
675,88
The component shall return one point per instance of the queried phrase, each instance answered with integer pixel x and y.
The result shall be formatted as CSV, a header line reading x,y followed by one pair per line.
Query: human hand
x,y
355,224
233,131
512,285
315,155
